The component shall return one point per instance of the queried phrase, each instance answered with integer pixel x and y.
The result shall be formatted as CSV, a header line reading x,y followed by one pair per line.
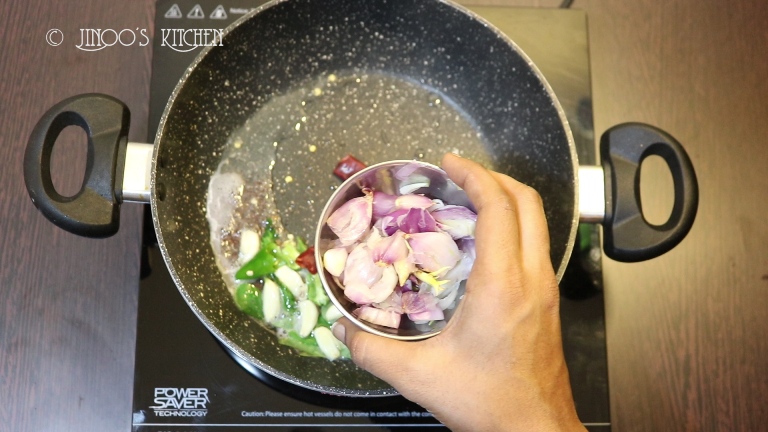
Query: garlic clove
x,y
293,281
271,300
334,260
249,245
327,342
331,313
308,315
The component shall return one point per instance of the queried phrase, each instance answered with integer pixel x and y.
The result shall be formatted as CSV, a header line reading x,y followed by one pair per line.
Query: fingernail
x,y
338,331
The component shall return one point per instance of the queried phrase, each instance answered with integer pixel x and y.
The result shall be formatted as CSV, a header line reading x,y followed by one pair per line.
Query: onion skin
x,y
393,303
450,299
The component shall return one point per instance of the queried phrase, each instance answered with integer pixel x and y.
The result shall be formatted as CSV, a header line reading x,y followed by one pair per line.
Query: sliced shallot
x,y
353,219
401,254
378,316
457,221
433,251
361,293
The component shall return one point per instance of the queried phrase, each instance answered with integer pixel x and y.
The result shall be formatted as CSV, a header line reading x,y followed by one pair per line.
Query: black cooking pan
x,y
298,84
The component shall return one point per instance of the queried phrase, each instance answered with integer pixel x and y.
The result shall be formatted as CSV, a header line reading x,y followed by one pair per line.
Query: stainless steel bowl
x,y
384,177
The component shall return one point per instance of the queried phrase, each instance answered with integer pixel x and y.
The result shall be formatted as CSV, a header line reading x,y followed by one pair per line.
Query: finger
x,y
534,233
497,238
497,231
478,182
386,358
534,237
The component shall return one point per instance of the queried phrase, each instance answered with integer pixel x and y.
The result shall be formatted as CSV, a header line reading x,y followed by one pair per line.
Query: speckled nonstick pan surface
x,y
297,85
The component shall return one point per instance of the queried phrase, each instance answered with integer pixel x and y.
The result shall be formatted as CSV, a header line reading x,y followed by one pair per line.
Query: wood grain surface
x,y
67,304
687,332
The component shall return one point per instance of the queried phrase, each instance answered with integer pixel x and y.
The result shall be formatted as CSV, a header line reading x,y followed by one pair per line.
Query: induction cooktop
x,y
186,380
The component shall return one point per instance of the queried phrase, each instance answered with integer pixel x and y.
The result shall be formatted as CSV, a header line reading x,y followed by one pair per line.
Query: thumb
x,y
378,355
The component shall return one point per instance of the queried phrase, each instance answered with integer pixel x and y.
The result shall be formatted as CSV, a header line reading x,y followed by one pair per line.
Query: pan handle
x,y
627,235
94,211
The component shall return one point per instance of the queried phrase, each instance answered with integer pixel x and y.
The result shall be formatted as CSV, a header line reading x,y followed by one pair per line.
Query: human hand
x,y
498,364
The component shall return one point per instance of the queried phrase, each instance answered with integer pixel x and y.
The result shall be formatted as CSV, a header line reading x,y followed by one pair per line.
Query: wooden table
x,y
687,332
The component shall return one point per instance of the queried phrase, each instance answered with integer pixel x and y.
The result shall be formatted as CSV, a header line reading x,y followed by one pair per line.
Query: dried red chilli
x,y
347,167
307,260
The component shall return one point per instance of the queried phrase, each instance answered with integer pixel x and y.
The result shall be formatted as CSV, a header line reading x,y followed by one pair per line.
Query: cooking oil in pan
x,y
286,152
374,117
